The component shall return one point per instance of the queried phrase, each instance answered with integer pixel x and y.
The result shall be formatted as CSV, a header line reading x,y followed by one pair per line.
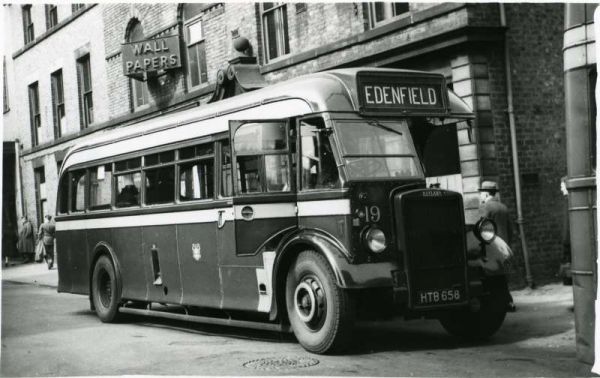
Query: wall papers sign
x,y
401,93
151,55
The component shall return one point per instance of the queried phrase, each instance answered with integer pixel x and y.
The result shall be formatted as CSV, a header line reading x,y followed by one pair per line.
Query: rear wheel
x,y
320,313
105,298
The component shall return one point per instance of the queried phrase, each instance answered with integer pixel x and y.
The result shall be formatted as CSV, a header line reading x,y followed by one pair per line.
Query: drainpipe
x,y
18,174
515,154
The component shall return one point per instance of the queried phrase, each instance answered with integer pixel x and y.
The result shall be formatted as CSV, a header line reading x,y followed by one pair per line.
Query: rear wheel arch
x,y
104,249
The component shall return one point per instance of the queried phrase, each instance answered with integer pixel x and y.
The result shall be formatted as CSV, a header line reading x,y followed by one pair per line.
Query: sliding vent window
x,y
160,185
196,180
196,172
100,187
129,182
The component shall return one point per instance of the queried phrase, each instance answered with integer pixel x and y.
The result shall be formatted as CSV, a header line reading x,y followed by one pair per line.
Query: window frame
x,y
372,12
200,48
86,112
336,155
51,11
76,7
39,174
35,117
283,39
28,27
137,86
58,101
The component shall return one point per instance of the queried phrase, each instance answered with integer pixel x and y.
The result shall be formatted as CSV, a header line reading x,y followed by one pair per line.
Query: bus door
x,y
264,209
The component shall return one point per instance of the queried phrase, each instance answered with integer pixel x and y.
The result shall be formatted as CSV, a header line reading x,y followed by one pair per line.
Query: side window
x,y
78,190
319,170
128,177
262,158
196,172
160,178
100,187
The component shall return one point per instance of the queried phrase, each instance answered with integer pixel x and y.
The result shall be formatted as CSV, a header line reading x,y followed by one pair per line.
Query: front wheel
x,y
483,322
320,313
105,298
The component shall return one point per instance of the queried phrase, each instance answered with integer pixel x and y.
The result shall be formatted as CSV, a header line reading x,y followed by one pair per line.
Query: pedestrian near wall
x,y
491,207
46,234
26,244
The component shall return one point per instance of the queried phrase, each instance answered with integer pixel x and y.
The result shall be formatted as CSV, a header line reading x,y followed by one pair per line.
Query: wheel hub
x,y
105,288
309,302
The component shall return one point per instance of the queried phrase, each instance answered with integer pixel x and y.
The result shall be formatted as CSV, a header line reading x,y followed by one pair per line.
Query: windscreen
x,y
378,149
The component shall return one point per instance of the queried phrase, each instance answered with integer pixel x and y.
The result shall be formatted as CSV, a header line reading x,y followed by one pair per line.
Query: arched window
x,y
139,89
193,31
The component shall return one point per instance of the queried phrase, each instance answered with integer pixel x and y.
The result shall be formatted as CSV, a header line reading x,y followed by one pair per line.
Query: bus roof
x,y
334,91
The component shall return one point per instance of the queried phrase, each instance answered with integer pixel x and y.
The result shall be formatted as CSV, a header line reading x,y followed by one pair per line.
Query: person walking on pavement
x,y
46,234
492,208
26,244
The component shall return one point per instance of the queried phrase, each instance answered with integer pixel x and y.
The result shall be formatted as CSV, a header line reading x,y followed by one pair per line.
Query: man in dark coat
x,y
26,244
492,208
46,234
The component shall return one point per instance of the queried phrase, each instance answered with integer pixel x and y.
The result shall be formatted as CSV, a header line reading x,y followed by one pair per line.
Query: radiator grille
x,y
431,237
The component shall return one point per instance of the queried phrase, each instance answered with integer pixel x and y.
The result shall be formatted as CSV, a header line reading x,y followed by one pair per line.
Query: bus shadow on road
x,y
529,322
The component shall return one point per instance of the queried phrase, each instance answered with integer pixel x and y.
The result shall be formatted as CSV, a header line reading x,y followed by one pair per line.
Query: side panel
x,y
127,244
198,256
95,236
75,244
162,240
63,253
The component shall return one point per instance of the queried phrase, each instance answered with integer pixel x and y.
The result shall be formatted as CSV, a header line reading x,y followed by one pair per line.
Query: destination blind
x,y
401,93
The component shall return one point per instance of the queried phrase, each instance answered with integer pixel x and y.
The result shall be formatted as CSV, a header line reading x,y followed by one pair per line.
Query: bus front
x,y
397,217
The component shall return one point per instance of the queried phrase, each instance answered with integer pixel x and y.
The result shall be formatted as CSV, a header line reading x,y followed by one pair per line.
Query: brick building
x,y
463,41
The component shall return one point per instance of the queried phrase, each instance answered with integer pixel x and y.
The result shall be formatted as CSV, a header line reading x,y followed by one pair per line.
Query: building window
x,y
76,7
84,81
40,193
194,39
139,88
34,114
58,103
27,24
384,12
51,16
5,86
275,30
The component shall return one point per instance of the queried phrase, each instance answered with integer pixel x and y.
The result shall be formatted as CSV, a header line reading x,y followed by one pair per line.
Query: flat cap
x,y
490,186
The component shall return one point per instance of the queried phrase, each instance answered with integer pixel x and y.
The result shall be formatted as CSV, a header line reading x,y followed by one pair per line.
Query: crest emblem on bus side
x,y
196,251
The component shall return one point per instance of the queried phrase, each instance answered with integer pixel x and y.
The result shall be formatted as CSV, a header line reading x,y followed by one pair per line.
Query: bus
x,y
301,207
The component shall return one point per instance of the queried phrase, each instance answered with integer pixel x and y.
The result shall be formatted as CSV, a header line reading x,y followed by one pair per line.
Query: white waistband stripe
x,y
261,211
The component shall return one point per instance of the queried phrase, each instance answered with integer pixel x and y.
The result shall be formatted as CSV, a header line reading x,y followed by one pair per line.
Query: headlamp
x,y
375,240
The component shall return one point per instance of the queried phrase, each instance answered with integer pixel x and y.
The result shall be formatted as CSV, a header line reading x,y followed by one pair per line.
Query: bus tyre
x,y
320,313
104,290
476,325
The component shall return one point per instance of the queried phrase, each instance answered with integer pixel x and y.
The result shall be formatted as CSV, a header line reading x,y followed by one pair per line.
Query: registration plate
x,y
428,297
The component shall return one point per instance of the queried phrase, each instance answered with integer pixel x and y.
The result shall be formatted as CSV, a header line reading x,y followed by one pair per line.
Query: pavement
x,y
30,273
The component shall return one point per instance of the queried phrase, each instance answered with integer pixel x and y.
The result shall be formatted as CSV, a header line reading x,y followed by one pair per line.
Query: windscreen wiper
x,y
382,126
